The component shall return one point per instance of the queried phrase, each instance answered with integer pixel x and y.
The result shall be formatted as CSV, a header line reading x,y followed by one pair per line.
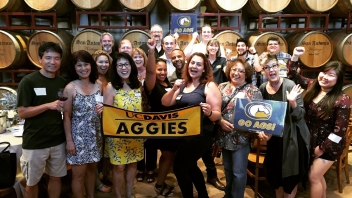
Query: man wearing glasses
x,y
273,48
156,32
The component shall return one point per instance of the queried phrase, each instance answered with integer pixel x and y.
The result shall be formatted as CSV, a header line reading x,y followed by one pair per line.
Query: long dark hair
x,y
207,75
116,80
332,96
86,57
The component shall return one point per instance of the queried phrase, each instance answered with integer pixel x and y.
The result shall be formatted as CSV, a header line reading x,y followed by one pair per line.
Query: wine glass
x,y
62,97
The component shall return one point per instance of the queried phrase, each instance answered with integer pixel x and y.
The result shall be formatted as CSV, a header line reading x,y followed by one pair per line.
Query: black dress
x,y
273,157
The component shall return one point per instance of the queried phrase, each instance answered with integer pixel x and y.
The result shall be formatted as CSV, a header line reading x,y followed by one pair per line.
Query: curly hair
x,y
207,74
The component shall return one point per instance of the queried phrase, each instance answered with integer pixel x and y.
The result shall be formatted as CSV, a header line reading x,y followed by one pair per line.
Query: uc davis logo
x,y
184,21
258,110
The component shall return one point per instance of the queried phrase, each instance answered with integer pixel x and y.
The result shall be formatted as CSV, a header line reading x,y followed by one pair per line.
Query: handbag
x,y
8,167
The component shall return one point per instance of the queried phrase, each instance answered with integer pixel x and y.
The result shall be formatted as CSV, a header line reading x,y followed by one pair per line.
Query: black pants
x,y
150,157
209,163
187,172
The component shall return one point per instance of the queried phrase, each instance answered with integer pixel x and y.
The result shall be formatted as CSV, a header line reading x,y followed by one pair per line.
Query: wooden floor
x,y
146,190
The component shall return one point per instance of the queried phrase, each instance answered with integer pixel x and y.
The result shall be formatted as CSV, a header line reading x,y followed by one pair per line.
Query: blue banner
x,y
260,115
185,23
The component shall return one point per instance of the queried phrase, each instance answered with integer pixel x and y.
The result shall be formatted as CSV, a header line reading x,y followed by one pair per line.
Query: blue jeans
x,y
235,165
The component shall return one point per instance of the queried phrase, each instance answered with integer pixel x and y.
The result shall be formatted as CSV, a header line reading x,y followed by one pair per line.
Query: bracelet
x,y
173,90
254,53
211,112
149,52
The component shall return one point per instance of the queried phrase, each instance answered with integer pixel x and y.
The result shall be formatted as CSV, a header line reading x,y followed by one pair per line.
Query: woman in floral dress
x,y
327,116
82,123
124,92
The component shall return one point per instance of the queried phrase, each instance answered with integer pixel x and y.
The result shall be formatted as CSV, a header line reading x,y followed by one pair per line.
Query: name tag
x,y
138,94
218,66
240,95
179,97
98,99
40,91
334,138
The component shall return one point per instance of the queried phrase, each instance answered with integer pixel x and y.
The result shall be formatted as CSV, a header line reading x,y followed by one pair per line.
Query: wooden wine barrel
x,y
12,5
347,89
314,6
181,6
61,7
228,40
318,45
62,37
137,37
342,43
258,41
13,47
92,4
341,9
138,5
184,39
88,40
255,7
224,5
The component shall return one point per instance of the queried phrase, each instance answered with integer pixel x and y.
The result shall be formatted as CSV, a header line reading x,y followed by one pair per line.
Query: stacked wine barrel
x,y
19,48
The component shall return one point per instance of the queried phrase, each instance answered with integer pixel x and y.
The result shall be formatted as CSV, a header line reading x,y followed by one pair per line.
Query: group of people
x,y
158,77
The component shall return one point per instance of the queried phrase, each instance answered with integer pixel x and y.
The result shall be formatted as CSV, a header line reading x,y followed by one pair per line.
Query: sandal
x,y
164,190
103,188
140,176
150,177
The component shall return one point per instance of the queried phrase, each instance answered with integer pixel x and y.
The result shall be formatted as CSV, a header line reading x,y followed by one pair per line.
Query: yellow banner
x,y
176,123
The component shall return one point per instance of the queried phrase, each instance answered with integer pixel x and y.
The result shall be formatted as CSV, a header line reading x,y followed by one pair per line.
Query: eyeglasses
x,y
267,67
158,32
238,71
127,65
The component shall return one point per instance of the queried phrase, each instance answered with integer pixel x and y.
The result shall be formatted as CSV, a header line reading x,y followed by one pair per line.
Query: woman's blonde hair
x,y
138,50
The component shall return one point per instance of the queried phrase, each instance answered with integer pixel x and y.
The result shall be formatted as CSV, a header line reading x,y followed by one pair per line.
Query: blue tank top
x,y
195,98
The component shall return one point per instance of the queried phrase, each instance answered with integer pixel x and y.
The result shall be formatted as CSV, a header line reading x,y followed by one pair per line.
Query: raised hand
x,y
178,84
252,50
151,44
292,95
299,51
176,36
195,35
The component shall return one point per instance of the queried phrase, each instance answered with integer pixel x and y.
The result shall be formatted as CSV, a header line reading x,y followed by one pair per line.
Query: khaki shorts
x,y
51,160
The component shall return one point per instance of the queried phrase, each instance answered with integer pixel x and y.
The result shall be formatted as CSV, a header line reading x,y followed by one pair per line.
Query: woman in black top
x,y
197,88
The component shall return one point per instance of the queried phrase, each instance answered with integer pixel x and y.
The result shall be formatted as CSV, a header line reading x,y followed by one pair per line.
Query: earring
x,y
203,71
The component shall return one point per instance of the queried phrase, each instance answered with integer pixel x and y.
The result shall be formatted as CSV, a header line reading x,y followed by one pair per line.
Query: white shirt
x,y
170,67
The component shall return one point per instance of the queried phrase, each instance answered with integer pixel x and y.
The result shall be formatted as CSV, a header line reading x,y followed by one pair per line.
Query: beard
x,y
179,64
107,47
244,53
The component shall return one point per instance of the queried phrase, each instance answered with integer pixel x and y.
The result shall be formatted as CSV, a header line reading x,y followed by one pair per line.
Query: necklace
x,y
275,84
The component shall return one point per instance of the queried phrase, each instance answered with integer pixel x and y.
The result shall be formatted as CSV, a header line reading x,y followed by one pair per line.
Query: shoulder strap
x,y
232,96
